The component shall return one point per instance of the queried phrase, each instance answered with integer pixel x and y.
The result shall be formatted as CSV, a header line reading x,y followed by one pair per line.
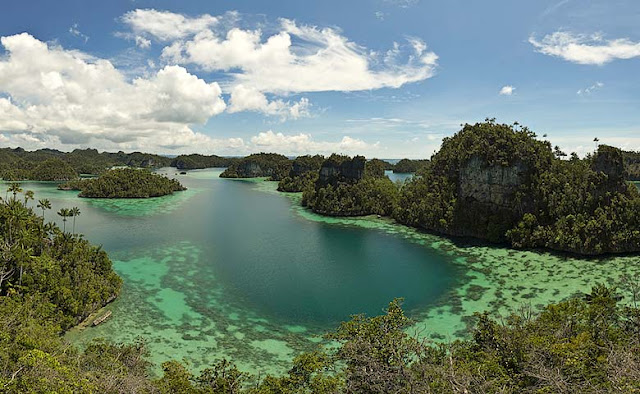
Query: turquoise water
x,y
399,177
224,269
233,269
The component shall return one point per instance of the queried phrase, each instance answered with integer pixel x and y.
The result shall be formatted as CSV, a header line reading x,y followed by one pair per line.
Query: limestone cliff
x,y
342,169
488,202
270,165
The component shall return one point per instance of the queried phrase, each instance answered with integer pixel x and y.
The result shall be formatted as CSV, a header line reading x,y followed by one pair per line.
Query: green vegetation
x,y
632,165
298,183
304,172
369,196
495,182
195,161
53,165
351,187
51,280
585,344
271,165
385,164
407,166
498,182
51,169
125,183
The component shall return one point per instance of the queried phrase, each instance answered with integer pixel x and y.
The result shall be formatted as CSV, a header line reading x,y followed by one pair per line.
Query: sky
x,y
383,78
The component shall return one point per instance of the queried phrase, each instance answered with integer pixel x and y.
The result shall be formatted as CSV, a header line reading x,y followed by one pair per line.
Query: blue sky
x,y
384,78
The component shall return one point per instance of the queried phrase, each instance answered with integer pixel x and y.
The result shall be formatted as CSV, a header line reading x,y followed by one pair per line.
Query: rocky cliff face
x,y
251,169
299,169
487,204
350,170
610,161
259,165
493,186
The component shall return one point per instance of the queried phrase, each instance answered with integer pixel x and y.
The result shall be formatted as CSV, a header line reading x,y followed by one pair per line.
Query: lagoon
x,y
233,269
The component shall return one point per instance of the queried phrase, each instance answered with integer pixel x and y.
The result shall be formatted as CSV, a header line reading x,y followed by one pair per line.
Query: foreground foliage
x,y
585,344
50,280
125,183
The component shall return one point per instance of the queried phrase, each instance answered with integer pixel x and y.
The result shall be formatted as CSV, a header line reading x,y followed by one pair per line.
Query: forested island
x,y
195,161
351,187
54,165
124,183
585,344
271,165
304,171
490,181
405,166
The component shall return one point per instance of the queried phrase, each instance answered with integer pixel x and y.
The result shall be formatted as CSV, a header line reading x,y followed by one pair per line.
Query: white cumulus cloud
x,y
245,98
299,58
507,90
165,25
300,144
586,49
63,96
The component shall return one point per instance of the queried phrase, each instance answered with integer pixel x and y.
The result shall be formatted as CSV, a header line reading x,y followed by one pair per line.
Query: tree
x,y
14,189
44,204
558,152
28,195
64,213
75,211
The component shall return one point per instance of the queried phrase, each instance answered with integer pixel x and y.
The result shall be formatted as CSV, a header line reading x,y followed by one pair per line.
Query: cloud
x,y
379,15
300,144
74,30
164,25
507,90
300,58
554,7
582,143
142,42
590,89
250,99
584,49
402,3
63,96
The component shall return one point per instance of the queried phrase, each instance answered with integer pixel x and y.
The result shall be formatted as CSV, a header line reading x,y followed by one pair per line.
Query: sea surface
x,y
233,269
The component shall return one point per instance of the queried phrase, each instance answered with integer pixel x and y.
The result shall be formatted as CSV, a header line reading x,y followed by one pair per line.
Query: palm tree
x,y
44,204
75,211
596,140
15,189
28,195
65,213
